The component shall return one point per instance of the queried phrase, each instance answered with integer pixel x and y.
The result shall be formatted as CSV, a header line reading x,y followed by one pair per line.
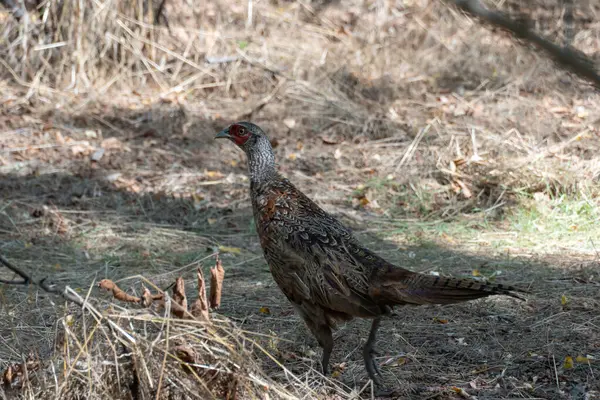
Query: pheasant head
x,y
256,145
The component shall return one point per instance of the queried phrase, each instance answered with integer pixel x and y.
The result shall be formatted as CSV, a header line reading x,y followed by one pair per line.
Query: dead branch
x,y
569,57
66,293
45,284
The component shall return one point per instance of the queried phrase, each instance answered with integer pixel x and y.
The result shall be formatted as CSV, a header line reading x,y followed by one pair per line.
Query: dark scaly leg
x,y
325,339
315,321
368,351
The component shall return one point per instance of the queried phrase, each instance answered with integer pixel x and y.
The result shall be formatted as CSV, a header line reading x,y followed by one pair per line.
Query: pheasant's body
x,y
321,267
315,260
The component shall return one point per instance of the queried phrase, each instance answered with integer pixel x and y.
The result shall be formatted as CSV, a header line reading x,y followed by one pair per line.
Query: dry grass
x,y
409,121
126,353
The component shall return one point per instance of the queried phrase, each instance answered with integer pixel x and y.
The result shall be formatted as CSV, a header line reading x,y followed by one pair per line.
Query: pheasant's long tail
x,y
414,288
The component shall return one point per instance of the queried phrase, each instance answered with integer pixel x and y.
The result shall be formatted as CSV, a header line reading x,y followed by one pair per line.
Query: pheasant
x,y
319,265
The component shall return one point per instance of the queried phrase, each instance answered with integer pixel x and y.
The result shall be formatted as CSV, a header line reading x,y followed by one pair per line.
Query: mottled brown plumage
x,y
321,267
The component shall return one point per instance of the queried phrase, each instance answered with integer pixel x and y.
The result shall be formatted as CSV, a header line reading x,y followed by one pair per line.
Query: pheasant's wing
x,y
314,255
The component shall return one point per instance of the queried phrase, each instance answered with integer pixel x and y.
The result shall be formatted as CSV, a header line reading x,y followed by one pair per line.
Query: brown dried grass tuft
x,y
158,351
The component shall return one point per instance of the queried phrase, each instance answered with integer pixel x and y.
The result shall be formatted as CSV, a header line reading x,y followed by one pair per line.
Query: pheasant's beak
x,y
224,134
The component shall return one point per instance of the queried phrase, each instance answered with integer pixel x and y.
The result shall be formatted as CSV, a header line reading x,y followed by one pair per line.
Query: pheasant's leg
x,y
368,351
325,338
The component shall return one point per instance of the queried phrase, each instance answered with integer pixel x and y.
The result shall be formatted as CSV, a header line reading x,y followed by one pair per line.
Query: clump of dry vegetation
x,y
408,119
168,348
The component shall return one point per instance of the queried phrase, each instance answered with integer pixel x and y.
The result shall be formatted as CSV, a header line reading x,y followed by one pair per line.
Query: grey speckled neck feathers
x,y
261,161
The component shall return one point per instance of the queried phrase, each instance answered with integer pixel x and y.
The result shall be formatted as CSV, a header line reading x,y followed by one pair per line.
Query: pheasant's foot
x,y
325,369
381,391
368,352
371,366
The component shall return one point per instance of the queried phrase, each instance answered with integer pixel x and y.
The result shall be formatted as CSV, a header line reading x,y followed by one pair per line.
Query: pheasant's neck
x,y
261,163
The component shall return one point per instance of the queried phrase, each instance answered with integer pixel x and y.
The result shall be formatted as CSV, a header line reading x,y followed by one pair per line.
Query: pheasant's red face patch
x,y
239,133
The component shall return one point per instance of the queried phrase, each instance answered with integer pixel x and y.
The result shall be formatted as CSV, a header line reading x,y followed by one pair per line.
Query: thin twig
x,y
43,284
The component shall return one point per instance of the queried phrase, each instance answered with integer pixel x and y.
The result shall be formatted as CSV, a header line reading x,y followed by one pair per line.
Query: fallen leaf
x,y
186,354
82,148
214,174
582,359
563,300
440,321
200,306
264,310
464,188
476,272
341,30
15,375
147,297
459,161
217,274
568,364
227,249
401,361
460,392
289,122
560,110
179,297
97,155
59,138
112,143
330,139
117,293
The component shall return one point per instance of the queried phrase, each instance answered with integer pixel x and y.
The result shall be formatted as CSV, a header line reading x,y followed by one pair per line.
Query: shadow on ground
x,y
500,346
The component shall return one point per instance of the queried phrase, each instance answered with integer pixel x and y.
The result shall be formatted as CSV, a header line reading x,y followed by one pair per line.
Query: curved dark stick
x,y
568,56
43,284
26,278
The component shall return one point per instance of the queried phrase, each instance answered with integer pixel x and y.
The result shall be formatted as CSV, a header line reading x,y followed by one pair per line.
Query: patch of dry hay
x,y
124,353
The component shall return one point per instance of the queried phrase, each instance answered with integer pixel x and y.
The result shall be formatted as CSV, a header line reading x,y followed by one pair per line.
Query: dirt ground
x,y
447,147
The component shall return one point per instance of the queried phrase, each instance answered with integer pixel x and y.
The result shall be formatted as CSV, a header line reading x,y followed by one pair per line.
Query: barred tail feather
x,y
425,289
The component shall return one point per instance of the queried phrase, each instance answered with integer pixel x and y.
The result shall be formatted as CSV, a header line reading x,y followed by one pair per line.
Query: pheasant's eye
x,y
242,132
